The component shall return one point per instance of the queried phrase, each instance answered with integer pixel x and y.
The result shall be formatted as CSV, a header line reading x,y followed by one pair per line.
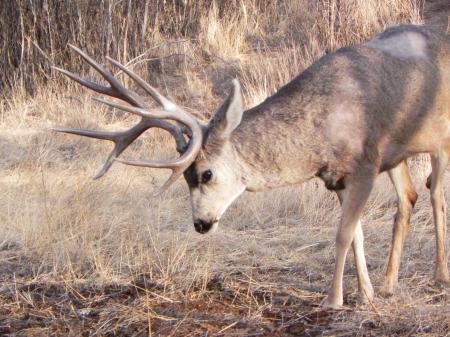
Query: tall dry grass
x,y
57,225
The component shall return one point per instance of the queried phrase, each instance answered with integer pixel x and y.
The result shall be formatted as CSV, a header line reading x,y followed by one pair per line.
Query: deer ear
x,y
229,114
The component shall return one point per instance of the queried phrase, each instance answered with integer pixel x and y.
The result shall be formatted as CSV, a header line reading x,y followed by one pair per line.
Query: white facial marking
x,y
211,205
224,207
405,45
210,200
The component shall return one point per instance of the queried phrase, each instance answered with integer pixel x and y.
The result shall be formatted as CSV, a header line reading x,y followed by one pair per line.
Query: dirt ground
x,y
261,301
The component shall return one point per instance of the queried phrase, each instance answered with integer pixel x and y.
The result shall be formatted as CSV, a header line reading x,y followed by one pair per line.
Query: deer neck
x,y
277,146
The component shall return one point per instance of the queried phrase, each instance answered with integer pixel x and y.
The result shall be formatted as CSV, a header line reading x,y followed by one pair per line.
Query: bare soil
x,y
261,301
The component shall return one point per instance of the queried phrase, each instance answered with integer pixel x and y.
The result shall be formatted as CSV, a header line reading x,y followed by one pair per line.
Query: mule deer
x,y
351,115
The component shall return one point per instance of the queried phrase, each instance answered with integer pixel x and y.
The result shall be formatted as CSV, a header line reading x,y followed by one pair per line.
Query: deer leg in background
x,y
364,285
407,197
438,163
357,191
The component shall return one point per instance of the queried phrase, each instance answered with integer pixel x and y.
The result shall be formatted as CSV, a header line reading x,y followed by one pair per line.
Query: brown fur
x,y
398,106
354,113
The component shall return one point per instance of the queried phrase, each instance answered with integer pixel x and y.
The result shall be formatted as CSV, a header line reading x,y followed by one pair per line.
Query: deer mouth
x,y
204,227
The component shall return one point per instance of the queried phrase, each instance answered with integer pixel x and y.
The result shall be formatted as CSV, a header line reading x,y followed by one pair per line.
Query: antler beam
x,y
122,139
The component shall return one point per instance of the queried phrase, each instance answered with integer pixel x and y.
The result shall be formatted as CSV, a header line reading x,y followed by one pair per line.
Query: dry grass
x,y
103,258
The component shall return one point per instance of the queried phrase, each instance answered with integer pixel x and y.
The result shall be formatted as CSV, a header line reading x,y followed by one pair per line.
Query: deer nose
x,y
202,226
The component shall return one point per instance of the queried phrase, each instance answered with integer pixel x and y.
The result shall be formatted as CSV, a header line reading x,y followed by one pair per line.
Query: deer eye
x,y
206,176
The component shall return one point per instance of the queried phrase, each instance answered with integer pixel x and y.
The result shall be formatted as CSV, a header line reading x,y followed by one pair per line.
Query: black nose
x,y
202,226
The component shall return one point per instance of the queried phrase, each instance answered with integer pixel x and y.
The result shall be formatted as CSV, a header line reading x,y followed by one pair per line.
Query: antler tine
x,y
86,83
177,171
149,119
167,104
106,135
177,166
117,90
193,148
118,149
122,139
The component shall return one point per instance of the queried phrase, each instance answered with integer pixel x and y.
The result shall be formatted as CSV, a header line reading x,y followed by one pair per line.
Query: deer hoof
x,y
387,291
441,277
332,304
366,295
389,285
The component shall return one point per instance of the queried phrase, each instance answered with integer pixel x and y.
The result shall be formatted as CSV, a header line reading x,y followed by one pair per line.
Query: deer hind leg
x,y
438,163
364,285
407,197
356,193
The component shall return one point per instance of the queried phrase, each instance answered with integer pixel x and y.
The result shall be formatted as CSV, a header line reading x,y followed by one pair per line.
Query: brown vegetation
x,y
104,258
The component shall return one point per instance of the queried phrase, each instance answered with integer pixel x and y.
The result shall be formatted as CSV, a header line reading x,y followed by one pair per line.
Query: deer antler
x,y
123,139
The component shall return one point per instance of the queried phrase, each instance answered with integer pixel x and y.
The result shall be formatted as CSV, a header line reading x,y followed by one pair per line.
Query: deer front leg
x,y
438,163
364,285
358,188
407,197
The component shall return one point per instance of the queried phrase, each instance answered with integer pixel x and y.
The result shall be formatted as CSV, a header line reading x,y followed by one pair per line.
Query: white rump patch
x,y
403,45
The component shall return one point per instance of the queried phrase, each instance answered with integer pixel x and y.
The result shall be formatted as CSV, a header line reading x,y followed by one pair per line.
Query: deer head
x,y
207,159
216,178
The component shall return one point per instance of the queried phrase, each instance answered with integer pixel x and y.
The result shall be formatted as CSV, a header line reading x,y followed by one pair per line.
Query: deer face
x,y
214,182
215,179
208,160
